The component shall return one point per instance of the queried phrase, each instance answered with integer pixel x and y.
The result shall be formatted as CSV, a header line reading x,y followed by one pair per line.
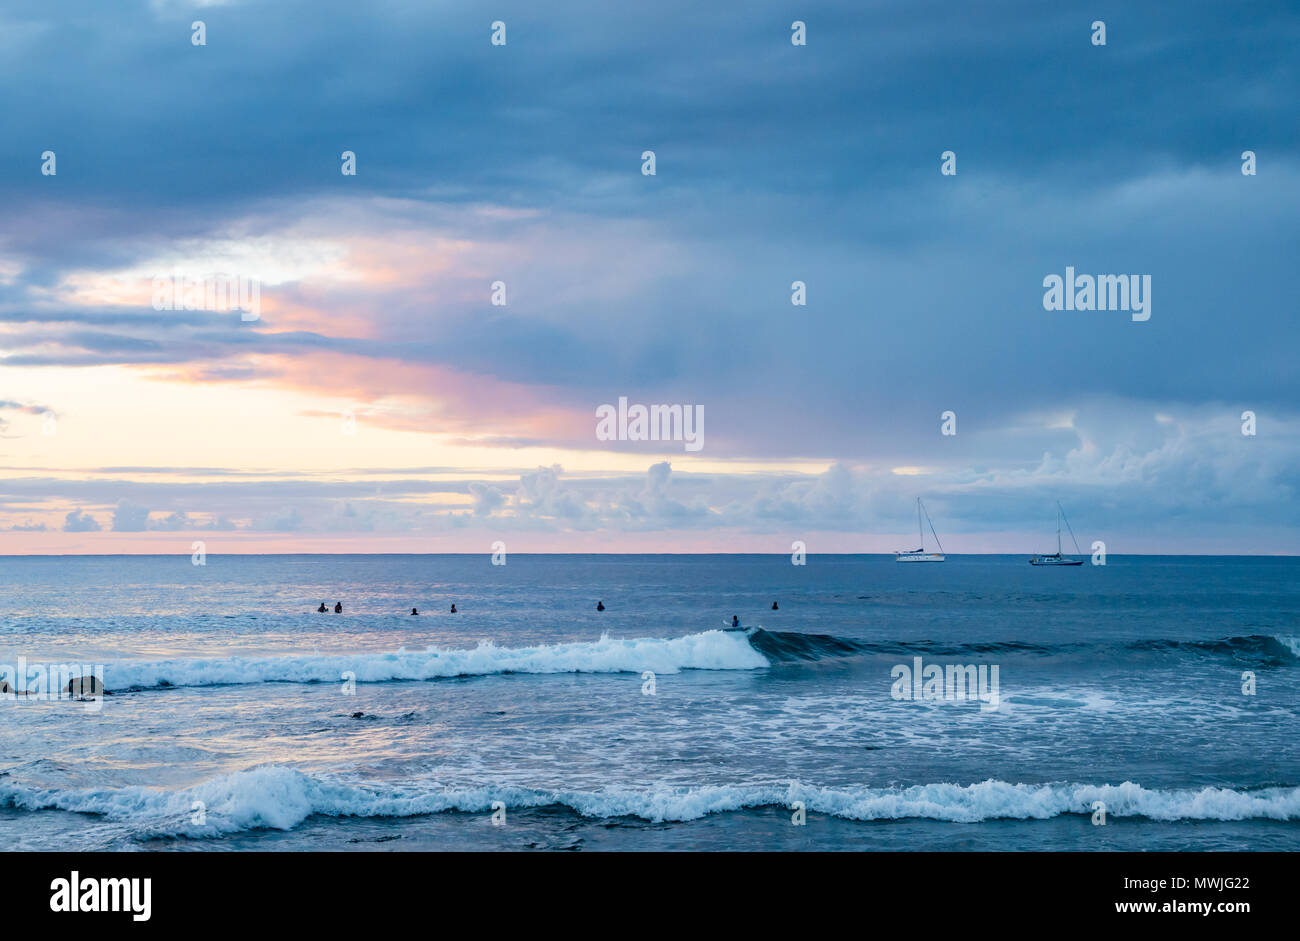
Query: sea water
x,y
1151,703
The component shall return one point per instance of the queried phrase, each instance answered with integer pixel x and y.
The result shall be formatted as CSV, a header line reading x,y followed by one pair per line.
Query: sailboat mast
x,y
1073,539
1058,529
919,531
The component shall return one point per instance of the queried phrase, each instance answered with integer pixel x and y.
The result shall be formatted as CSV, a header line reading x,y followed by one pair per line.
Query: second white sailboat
x,y
920,555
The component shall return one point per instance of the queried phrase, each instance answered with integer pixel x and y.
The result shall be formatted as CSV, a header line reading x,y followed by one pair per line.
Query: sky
x,y
380,401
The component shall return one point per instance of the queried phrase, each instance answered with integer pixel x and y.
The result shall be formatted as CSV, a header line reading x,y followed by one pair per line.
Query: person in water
x,y
413,611
774,607
338,608
453,609
322,609
735,621
600,606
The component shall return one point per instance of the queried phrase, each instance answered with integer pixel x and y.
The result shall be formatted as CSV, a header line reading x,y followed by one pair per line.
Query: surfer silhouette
x,y
322,609
453,609
338,608
600,606
413,611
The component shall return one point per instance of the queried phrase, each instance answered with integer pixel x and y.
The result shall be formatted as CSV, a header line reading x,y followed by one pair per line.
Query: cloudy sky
x,y
382,402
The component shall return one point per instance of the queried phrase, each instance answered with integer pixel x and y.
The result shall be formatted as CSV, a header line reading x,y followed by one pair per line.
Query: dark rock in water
x,y
358,715
82,686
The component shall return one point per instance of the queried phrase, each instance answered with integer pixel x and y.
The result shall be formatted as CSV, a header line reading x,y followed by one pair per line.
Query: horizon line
x,y
168,555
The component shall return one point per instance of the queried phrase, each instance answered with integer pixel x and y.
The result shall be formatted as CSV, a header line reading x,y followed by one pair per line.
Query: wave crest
x,y
787,647
711,650
279,797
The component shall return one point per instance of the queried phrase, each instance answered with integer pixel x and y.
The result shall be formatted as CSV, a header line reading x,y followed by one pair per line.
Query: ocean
x,y
1149,704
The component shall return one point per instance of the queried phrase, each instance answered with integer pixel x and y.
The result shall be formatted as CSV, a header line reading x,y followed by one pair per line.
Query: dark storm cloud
x,y
416,90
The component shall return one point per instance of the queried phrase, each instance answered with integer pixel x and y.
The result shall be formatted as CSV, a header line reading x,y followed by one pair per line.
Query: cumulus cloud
x,y
79,521
487,499
220,523
172,522
542,495
1122,473
289,520
130,518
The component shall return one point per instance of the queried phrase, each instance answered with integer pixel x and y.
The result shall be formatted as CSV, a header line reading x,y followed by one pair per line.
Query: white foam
x,y
279,797
711,650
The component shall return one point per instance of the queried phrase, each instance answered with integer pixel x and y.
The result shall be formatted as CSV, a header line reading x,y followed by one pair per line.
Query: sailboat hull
x,y
1049,560
918,557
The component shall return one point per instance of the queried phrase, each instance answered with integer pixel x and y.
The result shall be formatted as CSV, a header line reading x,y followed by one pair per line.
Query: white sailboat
x,y
920,555
1059,559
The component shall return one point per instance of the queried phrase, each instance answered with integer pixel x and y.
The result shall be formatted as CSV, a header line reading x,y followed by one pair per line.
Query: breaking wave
x,y
279,797
711,650
751,649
